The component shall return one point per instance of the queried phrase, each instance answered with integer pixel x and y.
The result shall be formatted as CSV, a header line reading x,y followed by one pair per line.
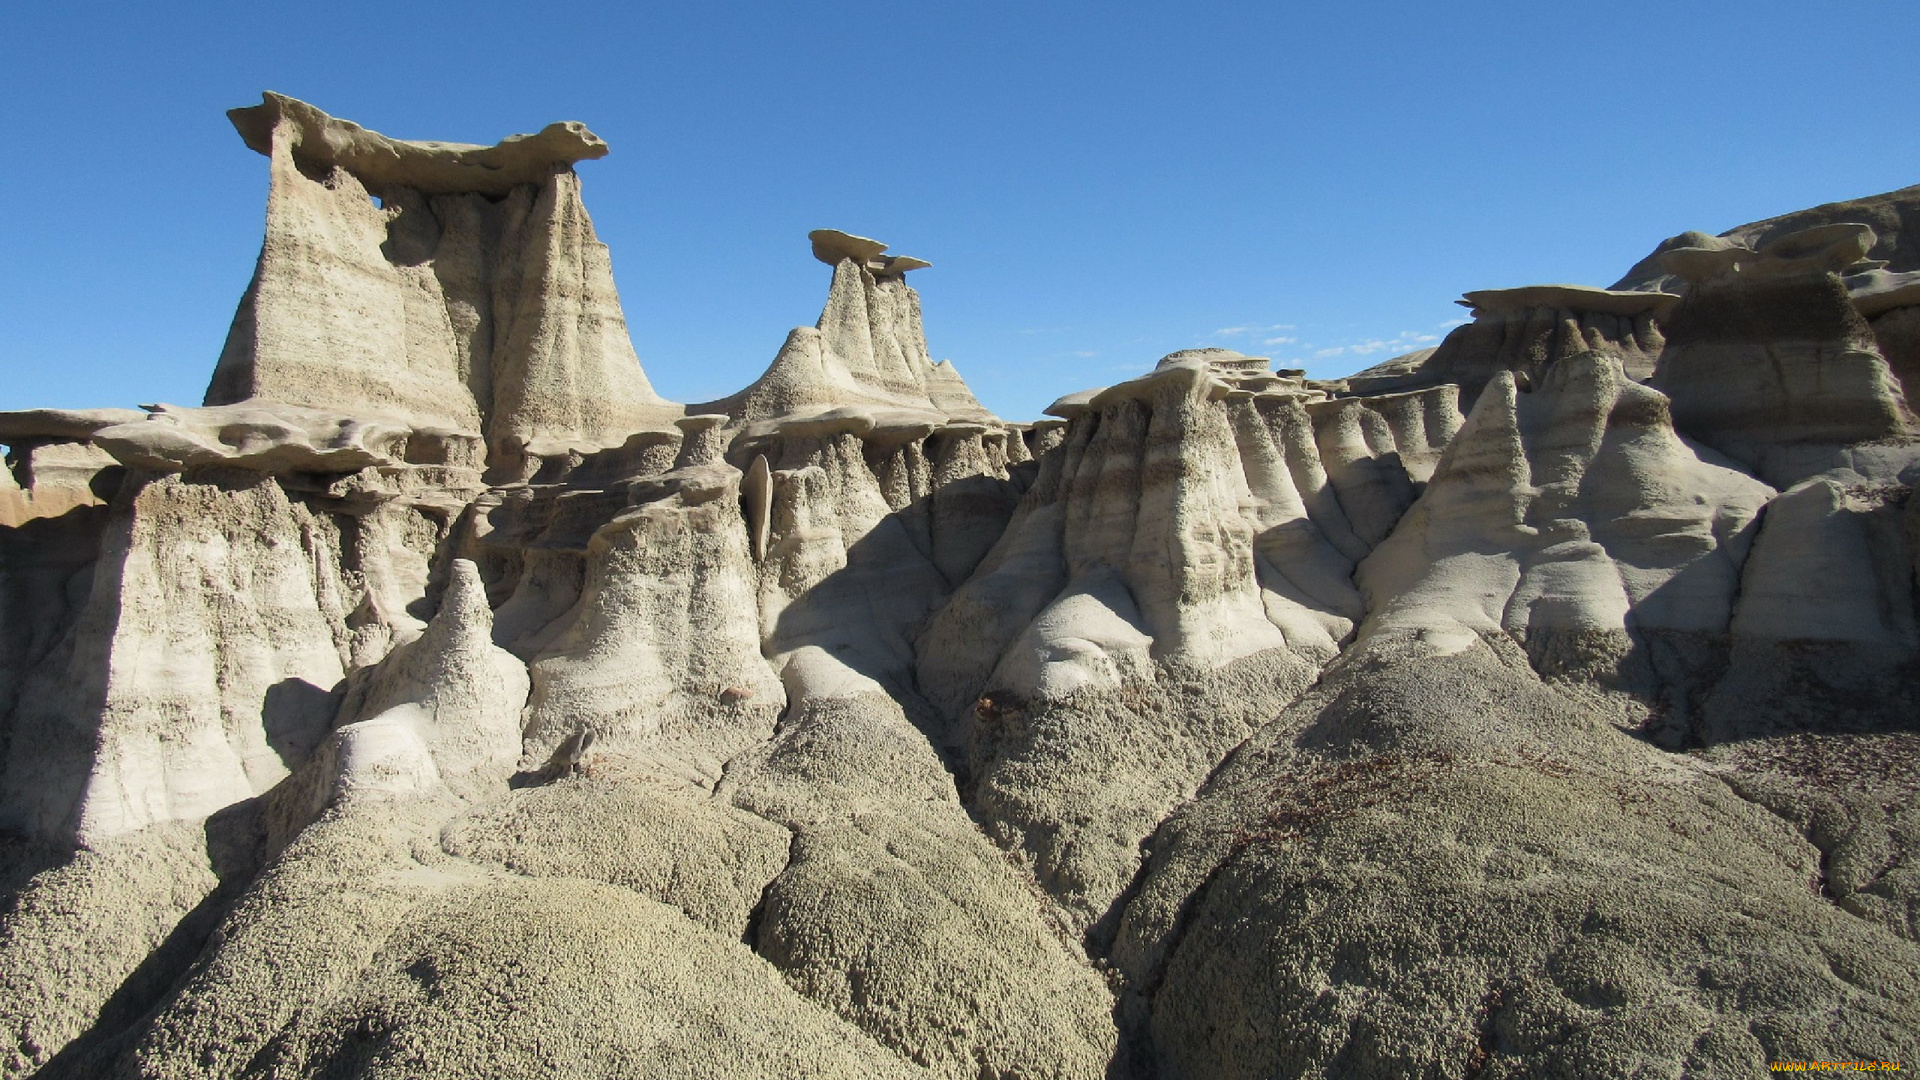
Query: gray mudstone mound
x,y
435,701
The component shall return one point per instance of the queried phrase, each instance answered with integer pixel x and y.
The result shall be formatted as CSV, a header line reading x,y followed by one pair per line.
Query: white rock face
x,y
438,701
1181,568
662,648
442,710
1572,508
185,695
202,666
475,297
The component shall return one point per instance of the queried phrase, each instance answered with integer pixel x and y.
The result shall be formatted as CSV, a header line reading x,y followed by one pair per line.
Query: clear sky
x,y
1096,184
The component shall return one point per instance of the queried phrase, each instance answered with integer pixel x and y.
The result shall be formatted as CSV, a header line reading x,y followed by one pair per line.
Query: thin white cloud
x,y
1403,342
1279,341
1251,328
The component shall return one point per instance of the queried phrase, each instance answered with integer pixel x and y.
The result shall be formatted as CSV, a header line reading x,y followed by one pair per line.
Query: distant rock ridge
x,y
435,700
1894,218
1526,330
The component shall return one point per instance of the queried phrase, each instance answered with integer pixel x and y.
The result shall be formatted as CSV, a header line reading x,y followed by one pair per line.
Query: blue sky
x,y
1095,184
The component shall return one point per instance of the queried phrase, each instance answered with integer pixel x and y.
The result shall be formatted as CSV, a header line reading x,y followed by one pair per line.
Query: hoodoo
x,y
866,356
437,700
474,297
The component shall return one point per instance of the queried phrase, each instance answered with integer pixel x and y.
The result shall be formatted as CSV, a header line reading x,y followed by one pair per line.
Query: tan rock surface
x,y
437,701
321,142
474,297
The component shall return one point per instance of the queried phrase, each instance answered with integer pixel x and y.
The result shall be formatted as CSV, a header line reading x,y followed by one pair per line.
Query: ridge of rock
x,y
1893,216
437,700
1527,330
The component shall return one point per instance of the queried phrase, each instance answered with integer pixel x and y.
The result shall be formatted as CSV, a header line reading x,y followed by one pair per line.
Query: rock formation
x,y
435,700
868,351
1526,330
474,296
1894,218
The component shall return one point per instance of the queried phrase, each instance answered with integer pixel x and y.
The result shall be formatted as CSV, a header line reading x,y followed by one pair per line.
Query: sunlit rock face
x,y
444,285
435,700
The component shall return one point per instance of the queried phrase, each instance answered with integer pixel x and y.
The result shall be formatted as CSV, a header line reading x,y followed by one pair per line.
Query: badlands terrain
x,y
436,700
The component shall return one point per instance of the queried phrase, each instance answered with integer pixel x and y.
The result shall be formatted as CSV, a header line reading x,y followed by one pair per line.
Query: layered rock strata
x,y
1180,568
1525,330
866,355
474,296
1772,363
435,701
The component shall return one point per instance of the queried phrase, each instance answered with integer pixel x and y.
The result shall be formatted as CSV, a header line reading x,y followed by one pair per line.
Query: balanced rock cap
x,y
1567,297
433,168
831,246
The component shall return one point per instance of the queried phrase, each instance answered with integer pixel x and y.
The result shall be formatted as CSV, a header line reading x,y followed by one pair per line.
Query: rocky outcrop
x,y
1893,217
321,142
443,710
1373,882
1569,517
1890,302
52,468
474,297
168,694
1769,361
1527,330
866,354
436,701
1180,568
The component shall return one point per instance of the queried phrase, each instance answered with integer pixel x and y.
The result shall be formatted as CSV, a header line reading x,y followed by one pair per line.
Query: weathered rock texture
x,y
474,297
1527,330
867,353
1894,218
437,702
